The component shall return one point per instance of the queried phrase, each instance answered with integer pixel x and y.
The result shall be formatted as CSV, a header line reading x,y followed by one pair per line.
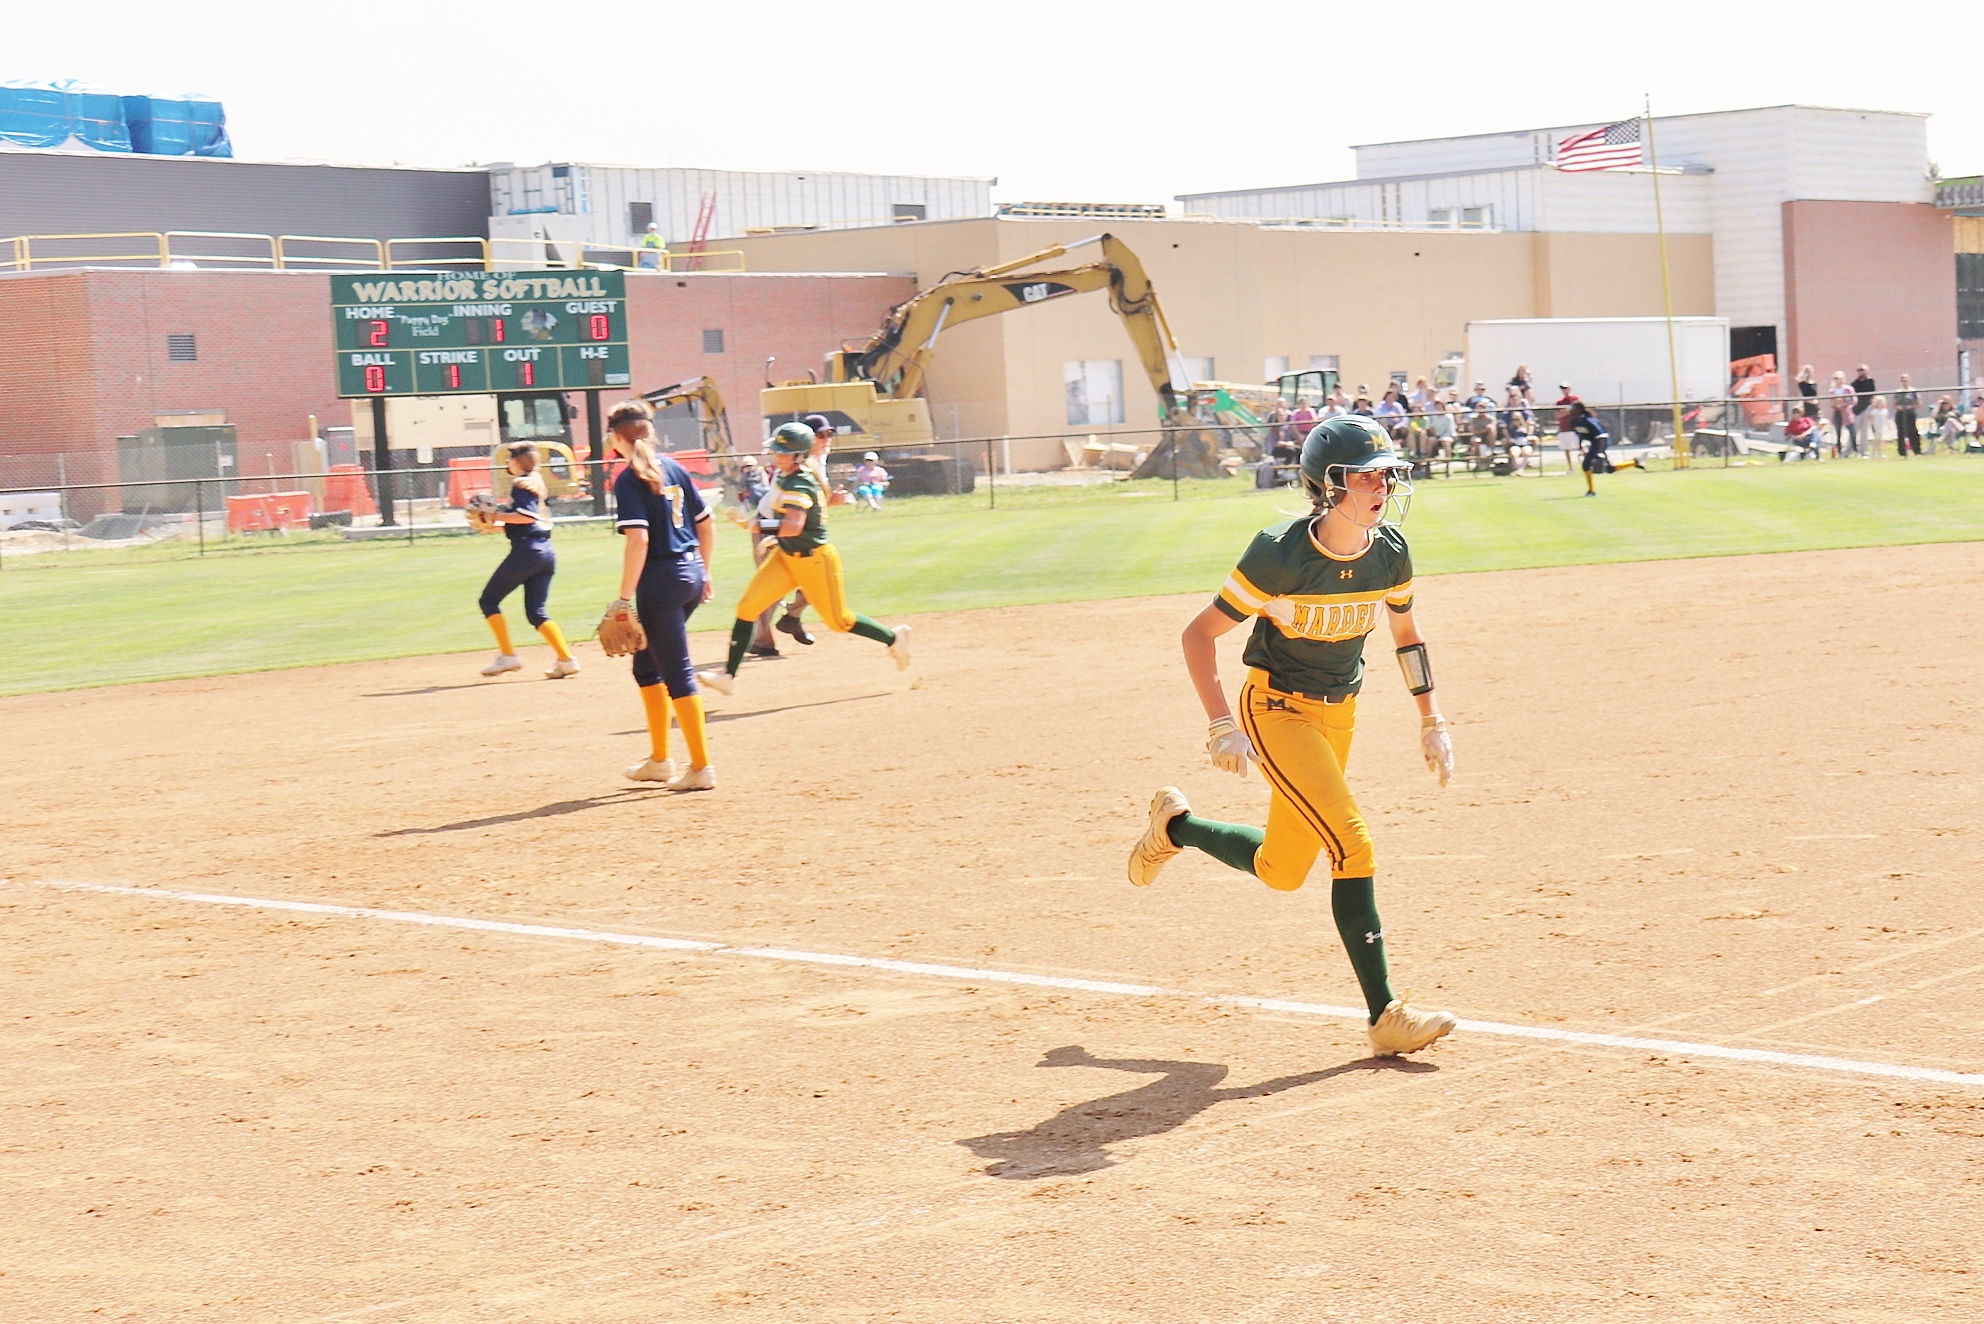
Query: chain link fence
x,y
190,502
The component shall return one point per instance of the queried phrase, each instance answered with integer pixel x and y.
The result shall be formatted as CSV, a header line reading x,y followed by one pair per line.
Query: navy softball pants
x,y
669,594
529,566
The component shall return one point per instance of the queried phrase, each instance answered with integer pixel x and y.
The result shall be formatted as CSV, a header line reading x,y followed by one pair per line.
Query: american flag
x,y
1614,147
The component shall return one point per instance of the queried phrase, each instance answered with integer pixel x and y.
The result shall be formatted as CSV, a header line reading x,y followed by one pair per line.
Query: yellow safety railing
x,y
26,259
177,252
304,252
479,259
286,260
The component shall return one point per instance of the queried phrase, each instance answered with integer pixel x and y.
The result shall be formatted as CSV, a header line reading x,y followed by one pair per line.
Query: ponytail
x,y
640,451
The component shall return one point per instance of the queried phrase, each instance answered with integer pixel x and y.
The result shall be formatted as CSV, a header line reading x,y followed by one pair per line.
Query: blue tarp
x,y
51,114
188,125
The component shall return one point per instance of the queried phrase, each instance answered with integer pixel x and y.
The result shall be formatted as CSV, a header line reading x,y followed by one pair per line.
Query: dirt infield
x,y
1722,801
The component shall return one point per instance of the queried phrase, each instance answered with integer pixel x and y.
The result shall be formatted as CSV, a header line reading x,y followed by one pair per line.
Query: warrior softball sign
x,y
447,333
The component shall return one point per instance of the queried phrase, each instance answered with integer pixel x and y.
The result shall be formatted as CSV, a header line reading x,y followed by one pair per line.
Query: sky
x,y
1068,101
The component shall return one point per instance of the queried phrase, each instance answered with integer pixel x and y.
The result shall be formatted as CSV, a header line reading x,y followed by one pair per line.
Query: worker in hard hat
x,y
653,254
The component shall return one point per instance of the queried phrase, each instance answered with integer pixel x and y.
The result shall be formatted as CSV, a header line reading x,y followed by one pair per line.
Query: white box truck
x,y
1609,361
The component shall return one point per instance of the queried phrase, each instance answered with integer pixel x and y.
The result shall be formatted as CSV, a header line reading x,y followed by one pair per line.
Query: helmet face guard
x,y
1335,486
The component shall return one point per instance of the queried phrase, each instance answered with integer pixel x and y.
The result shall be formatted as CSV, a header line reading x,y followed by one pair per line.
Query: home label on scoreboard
x,y
453,333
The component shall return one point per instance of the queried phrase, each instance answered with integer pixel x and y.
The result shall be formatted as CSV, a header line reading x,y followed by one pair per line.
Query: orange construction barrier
x,y
345,489
268,512
466,478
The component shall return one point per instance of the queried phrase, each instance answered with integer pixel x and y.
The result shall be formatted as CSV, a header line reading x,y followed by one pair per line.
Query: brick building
x,y
96,354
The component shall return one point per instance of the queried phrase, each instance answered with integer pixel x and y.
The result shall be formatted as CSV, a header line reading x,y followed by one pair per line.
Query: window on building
x,y
1441,216
1275,365
1199,370
712,342
908,211
1324,363
182,348
640,215
1095,391
1970,296
1477,218
1746,342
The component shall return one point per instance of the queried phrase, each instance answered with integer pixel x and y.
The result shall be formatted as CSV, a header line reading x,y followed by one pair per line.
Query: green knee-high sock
x,y
740,641
869,629
1355,904
1232,844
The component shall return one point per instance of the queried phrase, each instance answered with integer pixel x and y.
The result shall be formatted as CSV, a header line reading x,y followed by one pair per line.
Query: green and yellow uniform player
x,y
804,559
1314,588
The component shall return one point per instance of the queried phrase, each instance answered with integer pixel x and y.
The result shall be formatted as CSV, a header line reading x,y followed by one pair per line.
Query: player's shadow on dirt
x,y
1077,1139
552,810
428,689
714,718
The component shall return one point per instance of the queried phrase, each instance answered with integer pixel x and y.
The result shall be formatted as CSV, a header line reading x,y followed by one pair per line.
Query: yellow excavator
x,y
873,397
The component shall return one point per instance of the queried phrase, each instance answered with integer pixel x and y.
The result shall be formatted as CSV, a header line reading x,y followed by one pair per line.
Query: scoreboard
x,y
454,333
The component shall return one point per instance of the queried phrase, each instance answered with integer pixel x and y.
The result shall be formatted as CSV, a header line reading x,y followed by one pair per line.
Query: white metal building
x,y
611,206
1736,170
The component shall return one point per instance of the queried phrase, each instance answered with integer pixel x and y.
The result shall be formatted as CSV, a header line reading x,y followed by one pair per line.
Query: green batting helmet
x,y
1347,444
792,439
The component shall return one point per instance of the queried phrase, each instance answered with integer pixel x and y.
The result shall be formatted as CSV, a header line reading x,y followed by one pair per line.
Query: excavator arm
x,y
898,357
701,392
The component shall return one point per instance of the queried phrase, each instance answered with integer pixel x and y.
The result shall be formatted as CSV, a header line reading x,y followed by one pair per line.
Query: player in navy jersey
x,y
665,573
526,521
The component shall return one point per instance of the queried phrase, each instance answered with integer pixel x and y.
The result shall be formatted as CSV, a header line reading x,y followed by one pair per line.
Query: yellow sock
x,y
689,714
654,698
556,638
501,629
1587,482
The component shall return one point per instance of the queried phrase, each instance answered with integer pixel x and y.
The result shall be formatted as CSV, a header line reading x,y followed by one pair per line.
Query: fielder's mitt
x,y
482,510
620,631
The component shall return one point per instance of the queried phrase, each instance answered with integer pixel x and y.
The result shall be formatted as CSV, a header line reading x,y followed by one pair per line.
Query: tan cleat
x,y
562,668
1156,850
720,681
503,665
1405,1029
899,650
651,770
695,779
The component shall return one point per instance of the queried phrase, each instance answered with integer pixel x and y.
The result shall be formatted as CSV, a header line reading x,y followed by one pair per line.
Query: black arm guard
x,y
1418,671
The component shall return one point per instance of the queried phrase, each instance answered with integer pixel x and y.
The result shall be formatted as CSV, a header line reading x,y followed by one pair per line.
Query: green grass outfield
x,y
109,617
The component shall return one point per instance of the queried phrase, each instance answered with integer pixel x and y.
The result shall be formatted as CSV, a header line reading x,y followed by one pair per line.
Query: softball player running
x,y
1316,587
529,565
664,572
804,559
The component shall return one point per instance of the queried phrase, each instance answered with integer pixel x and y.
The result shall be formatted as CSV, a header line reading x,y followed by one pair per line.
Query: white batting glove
x,y
1437,746
1230,749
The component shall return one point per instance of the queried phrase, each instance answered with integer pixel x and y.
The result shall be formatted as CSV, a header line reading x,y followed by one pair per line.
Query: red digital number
x,y
497,328
601,329
454,376
526,374
376,337
375,378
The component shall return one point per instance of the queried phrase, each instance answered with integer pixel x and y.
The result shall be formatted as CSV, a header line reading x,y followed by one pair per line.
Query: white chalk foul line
x,y
975,975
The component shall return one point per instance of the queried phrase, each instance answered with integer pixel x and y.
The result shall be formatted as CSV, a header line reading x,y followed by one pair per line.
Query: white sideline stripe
x,y
975,975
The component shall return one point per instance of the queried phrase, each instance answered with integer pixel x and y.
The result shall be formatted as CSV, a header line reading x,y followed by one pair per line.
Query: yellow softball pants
x,y
817,572
1304,747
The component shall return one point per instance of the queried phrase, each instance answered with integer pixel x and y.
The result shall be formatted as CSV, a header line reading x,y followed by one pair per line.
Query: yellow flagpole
x,y
1667,293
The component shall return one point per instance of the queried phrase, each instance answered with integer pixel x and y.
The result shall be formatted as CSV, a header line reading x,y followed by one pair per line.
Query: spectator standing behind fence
x,y
1277,427
1907,438
1567,440
1874,425
1337,404
1863,400
1423,397
1842,415
1520,382
1808,388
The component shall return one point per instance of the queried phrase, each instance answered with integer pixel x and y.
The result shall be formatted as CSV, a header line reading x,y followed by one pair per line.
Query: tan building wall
x,y
1238,293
